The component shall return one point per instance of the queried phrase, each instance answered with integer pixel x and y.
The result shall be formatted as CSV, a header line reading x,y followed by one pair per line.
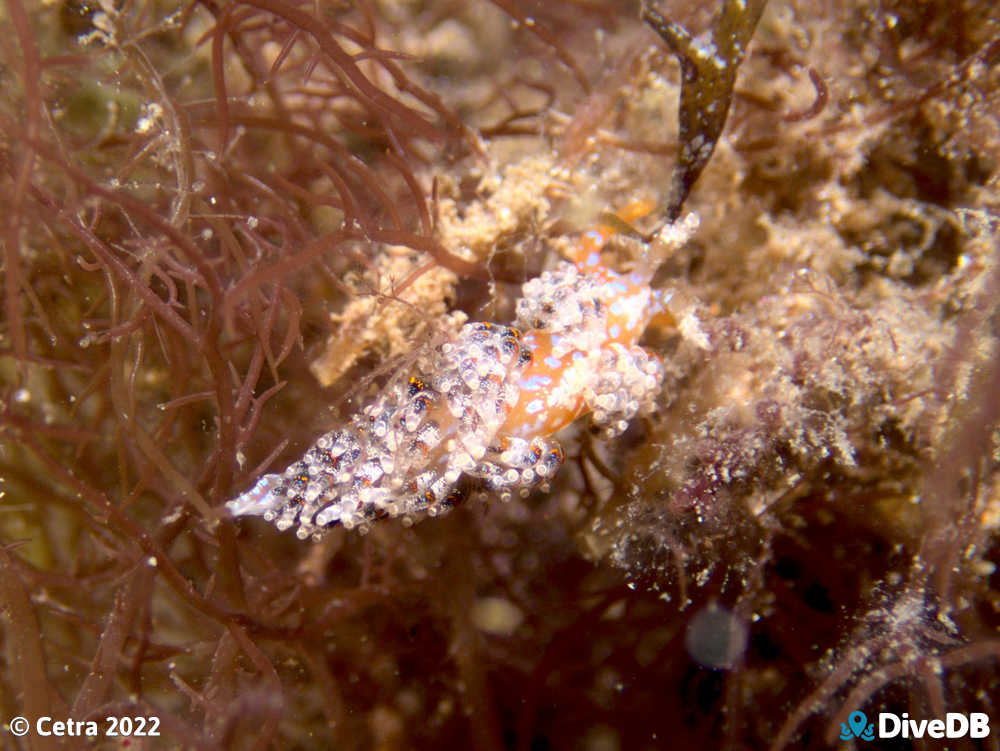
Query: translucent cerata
x,y
486,404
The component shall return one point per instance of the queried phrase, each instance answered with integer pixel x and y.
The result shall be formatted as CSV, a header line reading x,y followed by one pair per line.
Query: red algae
x,y
230,226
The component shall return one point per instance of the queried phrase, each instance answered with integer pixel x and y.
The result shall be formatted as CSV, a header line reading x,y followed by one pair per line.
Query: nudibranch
x,y
486,404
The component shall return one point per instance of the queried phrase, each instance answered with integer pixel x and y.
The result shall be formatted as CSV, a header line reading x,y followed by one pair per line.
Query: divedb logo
x,y
954,725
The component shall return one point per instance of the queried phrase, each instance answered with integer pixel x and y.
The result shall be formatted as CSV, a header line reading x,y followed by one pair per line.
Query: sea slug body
x,y
485,404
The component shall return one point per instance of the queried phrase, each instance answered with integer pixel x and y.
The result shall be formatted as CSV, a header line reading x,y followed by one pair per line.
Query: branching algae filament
x,y
485,404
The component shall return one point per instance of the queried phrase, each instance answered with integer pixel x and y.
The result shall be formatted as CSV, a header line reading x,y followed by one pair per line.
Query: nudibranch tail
x,y
484,405
258,500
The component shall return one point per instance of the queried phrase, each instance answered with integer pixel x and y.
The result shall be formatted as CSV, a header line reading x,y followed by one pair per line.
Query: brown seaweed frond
x,y
196,190
709,64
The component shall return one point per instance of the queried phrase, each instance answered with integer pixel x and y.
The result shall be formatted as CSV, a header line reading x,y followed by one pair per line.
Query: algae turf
x,y
229,225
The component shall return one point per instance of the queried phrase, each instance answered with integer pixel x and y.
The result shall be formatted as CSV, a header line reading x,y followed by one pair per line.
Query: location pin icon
x,y
857,721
